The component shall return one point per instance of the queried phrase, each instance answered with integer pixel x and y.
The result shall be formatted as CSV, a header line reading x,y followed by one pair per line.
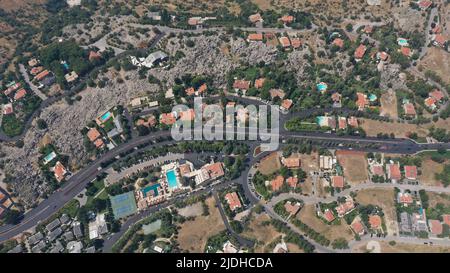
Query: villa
x,y
233,201
410,172
337,182
359,52
287,19
260,82
393,172
277,183
338,42
362,101
254,37
60,171
8,109
292,162
357,226
70,77
286,104
345,207
375,222
241,85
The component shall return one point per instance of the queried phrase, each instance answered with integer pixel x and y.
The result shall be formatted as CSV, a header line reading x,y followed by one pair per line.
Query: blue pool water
x,y
322,86
372,97
105,116
172,179
402,42
153,188
50,157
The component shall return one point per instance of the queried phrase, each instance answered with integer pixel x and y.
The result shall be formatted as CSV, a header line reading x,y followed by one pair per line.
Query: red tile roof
x,y
42,75
329,216
337,181
93,134
94,55
259,82
353,121
357,227
284,41
336,97
394,172
430,102
292,181
287,19
296,42
435,227
375,221
292,209
241,84
362,101
255,37
215,170
291,162
409,109
8,109
338,42
342,123
368,29
377,170
424,4
99,143
167,118
20,94
436,94
190,91
233,200
255,18
406,51
446,219
276,93
60,171
286,104
360,51
187,115
277,183
405,198
411,172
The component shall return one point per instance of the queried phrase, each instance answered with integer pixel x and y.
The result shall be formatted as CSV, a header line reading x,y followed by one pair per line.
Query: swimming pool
x,y
105,116
322,86
372,97
49,157
320,120
402,42
153,188
172,179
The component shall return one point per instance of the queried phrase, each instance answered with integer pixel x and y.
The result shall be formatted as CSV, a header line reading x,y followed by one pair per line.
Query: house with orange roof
x,y
342,123
187,115
292,181
368,29
393,171
255,37
148,122
357,226
60,171
241,85
405,198
287,19
424,4
291,208
190,91
362,101
410,172
353,122
296,43
286,104
409,109
446,219
233,200
359,52
436,94
382,56
99,143
285,42
8,109
338,42
277,183
260,82
439,40
276,93
436,227
336,98
33,62
430,103
337,181
292,162
36,70
346,207
202,89
328,215
42,75
94,55
406,51
375,222
93,134
20,94
215,170
167,118
255,18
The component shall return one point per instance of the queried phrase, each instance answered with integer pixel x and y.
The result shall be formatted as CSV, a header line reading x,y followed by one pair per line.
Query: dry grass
x,y
264,234
429,170
270,164
193,235
438,198
400,130
411,248
354,165
385,199
438,61
308,216
389,104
